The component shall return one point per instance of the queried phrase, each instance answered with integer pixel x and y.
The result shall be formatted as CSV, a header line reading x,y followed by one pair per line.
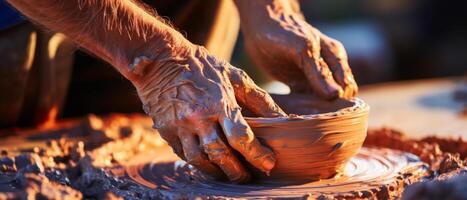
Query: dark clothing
x,y
9,16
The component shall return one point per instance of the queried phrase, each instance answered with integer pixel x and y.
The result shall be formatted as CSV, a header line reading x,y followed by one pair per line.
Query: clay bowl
x,y
315,141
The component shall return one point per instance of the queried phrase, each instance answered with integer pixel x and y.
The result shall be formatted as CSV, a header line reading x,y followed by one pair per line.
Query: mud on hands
x,y
192,98
280,41
191,95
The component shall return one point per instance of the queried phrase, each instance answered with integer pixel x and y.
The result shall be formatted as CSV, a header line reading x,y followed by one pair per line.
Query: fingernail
x,y
279,113
268,163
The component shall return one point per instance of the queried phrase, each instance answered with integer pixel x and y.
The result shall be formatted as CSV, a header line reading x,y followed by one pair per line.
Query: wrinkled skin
x,y
193,102
192,96
282,43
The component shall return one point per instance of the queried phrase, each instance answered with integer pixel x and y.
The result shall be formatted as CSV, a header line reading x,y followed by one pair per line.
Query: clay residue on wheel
x,y
122,157
373,172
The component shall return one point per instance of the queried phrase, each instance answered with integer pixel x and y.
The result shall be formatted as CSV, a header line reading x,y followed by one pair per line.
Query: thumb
x,y
253,97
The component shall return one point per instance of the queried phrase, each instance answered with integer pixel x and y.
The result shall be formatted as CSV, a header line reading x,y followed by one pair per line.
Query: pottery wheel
x,y
138,164
372,173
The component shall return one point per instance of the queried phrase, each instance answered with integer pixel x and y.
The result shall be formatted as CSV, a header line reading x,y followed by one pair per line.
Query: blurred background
x,y
386,40
390,40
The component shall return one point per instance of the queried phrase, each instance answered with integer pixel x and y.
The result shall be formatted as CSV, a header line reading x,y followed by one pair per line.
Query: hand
x,y
294,52
192,98
191,95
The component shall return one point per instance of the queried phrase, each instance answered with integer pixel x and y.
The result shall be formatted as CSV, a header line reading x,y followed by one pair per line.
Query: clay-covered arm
x,y
191,95
280,41
118,31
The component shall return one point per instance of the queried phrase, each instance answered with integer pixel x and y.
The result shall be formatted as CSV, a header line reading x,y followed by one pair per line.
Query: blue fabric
x,y
9,16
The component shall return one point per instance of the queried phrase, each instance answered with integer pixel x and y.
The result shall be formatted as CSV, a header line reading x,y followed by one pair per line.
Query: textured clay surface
x,y
122,157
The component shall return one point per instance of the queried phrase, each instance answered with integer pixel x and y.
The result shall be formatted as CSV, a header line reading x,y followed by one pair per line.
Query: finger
x,y
253,97
170,136
241,138
222,156
334,54
320,78
194,155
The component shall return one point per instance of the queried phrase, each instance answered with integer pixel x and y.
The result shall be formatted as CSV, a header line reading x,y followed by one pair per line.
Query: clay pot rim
x,y
358,107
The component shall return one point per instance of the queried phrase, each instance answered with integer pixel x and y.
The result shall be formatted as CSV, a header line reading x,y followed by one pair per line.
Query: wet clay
x,y
122,157
369,171
314,143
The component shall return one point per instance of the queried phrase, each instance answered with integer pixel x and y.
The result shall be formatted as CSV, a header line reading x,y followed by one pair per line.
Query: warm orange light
x,y
48,120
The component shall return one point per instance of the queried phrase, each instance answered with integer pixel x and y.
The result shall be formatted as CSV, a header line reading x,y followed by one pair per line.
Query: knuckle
x,y
217,62
242,74
311,41
212,144
241,137
309,47
239,76
239,141
220,67
336,44
240,131
200,51
338,50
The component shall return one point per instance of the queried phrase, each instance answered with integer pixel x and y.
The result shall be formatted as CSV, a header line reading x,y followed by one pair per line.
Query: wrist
x,y
158,78
163,51
262,14
251,13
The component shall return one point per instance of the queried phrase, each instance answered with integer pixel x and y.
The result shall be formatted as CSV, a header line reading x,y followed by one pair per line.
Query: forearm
x,y
118,31
254,14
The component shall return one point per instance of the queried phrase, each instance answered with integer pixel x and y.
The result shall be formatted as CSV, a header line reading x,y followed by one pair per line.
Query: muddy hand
x,y
192,98
280,41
